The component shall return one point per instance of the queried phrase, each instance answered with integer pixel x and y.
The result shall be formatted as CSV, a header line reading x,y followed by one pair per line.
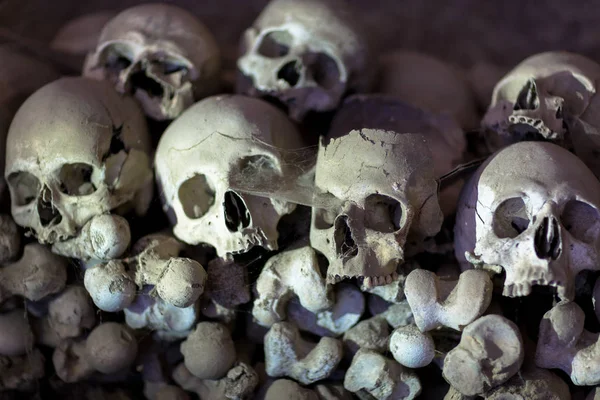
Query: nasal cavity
x,y
547,241
140,80
345,246
289,73
49,215
236,215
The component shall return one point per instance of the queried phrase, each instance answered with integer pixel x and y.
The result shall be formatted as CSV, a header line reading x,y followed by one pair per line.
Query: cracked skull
x,y
540,97
76,150
533,210
305,53
196,179
161,54
385,186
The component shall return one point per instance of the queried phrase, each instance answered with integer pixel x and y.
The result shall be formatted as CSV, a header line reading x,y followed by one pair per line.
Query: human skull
x,y
305,53
208,147
161,54
385,186
539,98
76,149
532,209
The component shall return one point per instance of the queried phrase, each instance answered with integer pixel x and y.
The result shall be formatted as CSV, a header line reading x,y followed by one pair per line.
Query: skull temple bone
x,y
541,98
385,186
533,210
161,54
77,150
212,144
305,53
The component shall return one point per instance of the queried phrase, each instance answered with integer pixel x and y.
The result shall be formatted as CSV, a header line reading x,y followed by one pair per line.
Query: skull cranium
x,y
387,193
161,54
532,209
195,179
76,150
305,53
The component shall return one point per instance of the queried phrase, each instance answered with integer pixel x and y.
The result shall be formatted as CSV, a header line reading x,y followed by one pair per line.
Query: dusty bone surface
x,y
69,315
490,352
177,281
288,354
453,304
565,344
364,236
96,156
36,275
288,274
381,377
109,348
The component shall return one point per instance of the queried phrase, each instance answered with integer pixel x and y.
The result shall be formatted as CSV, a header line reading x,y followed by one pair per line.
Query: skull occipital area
x,y
208,148
533,210
161,54
305,53
76,149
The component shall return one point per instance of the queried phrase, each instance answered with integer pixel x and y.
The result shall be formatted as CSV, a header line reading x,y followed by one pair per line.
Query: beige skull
x,y
161,54
532,209
305,53
76,150
212,144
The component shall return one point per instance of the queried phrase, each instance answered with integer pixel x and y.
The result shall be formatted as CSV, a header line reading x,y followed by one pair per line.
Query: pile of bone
x,y
291,241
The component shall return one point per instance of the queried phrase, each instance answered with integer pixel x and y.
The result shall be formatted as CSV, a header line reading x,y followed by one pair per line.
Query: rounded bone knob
x,y
109,286
182,282
411,347
209,352
110,236
111,347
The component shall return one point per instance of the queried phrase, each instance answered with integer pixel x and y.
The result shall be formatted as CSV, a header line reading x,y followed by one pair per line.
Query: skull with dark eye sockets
x,y
533,210
159,53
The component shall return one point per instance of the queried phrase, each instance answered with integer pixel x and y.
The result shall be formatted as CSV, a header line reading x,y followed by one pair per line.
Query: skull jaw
x,y
170,105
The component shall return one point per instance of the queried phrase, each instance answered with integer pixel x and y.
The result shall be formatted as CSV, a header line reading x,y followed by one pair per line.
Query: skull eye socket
x,y
275,44
581,220
510,218
76,179
382,213
325,71
528,97
25,187
116,58
196,196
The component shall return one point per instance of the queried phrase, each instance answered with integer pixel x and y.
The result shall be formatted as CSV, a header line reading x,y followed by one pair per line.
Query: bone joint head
x,y
564,344
208,351
453,304
490,352
288,354
373,374
158,53
109,348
